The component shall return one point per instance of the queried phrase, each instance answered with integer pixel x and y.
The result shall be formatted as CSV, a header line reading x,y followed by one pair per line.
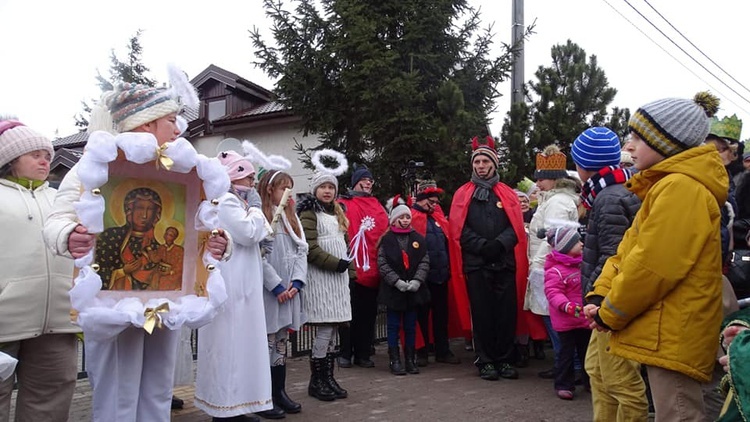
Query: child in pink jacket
x,y
562,286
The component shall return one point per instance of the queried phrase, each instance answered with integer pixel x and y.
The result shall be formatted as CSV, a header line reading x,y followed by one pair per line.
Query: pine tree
x,y
567,97
131,70
387,81
570,96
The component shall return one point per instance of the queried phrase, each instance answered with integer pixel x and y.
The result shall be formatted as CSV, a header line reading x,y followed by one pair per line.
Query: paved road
x,y
440,393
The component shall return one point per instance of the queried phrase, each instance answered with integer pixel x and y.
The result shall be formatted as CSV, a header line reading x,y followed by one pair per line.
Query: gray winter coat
x,y
611,215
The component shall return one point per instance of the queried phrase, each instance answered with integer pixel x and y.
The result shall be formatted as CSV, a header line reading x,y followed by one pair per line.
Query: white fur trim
x,y
181,88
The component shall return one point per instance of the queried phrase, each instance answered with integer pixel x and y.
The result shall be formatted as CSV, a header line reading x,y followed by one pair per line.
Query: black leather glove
x,y
493,249
343,266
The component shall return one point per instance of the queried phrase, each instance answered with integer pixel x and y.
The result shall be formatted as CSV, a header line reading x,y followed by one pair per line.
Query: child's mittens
x,y
253,199
573,309
402,285
342,266
414,285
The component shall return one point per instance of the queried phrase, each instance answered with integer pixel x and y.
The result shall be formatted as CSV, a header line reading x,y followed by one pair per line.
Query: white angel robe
x,y
233,376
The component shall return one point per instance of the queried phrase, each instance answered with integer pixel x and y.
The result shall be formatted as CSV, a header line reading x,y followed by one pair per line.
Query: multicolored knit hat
x,y
427,189
550,164
563,238
673,125
133,105
130,105
596,148
17,139
237,166
488,150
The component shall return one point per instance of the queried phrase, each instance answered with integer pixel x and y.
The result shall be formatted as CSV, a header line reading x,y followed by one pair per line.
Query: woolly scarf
x,y
483,186
607,176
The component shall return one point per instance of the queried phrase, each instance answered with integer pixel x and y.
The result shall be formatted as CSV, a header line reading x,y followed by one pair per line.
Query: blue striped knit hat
x,y
133,105
596,148
674,125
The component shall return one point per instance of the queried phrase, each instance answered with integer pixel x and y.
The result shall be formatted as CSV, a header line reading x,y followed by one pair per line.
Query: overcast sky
x,y
51,49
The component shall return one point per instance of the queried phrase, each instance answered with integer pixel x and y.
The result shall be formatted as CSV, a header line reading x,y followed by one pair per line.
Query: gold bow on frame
x,y
162,161
153,319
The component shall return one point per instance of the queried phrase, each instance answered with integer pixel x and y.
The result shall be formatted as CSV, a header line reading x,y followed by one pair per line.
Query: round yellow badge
x,y
415,245
499,204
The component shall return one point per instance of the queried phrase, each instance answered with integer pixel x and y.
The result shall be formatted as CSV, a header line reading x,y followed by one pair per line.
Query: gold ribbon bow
x,y
162,161
153,319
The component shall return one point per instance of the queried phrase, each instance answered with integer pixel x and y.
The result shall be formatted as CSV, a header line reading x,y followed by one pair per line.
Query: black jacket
x,y
487,221
609,218
392,269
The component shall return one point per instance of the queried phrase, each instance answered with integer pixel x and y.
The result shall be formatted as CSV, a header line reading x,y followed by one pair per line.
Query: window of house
x,y
216,109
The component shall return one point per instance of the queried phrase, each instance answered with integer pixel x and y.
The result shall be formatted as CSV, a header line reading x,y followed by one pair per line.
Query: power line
x,y
695,46
673,57
686,53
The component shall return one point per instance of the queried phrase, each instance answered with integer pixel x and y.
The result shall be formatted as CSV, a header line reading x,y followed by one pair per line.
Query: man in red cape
x,y
486,219
449,307
367,223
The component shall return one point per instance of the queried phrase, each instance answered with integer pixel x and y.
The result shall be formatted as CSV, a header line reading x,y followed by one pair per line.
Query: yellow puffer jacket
x,y
662,290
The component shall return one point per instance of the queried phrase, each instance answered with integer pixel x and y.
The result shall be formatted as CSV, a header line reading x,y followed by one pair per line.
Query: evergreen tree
x,y
131,70
387,81
570,96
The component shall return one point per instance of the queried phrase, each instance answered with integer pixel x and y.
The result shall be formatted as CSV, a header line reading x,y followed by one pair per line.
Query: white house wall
x,y
271,139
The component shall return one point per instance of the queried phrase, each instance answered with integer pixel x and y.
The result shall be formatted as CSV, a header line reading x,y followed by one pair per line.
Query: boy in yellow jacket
x,y
660,295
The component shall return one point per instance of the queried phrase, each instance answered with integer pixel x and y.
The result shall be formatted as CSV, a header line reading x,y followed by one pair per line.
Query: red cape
x,y
357,209
459,316
526,322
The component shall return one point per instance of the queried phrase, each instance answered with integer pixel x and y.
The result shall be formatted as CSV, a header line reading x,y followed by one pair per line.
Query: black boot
x,y
275,413
522,355
278,391
394,357
318,386
422,356
411,360
539,349
335,387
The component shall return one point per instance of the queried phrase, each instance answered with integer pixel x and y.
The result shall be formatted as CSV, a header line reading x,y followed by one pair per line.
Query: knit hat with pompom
x,y
673,125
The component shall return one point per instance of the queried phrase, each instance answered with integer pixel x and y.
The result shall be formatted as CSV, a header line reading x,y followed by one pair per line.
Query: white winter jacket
x,y
34,282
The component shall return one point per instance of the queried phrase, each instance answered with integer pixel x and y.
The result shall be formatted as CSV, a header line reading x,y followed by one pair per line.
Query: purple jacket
x,y
562,284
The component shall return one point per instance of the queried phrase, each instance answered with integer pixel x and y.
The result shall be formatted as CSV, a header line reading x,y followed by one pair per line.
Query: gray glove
x,y
414,285
253,198
266,247
402,285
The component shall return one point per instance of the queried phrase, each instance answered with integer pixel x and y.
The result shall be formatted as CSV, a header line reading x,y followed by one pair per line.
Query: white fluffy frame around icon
x,y
103,313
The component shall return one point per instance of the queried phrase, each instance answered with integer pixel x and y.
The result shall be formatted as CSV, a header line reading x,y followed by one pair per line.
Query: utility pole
x,y
516,74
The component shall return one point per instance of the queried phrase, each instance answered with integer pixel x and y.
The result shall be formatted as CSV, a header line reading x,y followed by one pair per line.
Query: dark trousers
x,y
439,307
570,342
492,295
355,340
394,320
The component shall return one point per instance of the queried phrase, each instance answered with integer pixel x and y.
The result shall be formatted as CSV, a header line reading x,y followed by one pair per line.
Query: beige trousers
x,y
677,397
46,374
